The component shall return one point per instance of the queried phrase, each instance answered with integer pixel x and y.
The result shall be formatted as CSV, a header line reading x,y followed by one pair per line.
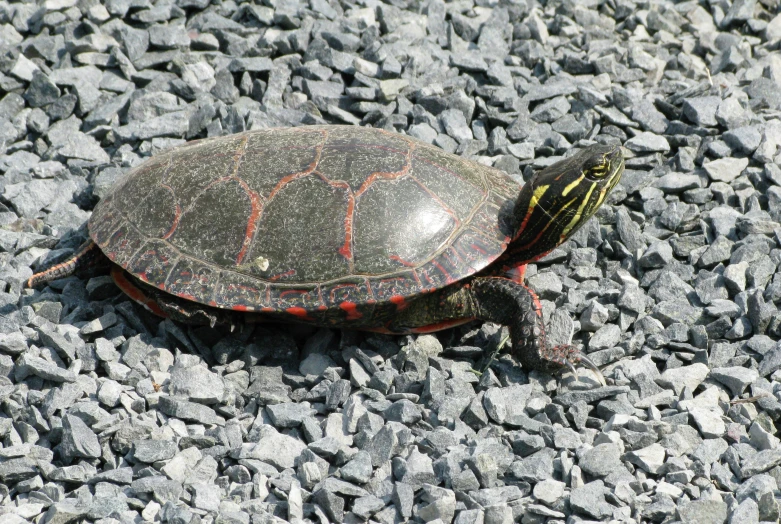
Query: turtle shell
x,y
304,219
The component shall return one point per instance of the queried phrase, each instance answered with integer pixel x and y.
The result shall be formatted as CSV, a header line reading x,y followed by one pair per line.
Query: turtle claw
x,y
572,368
569,356
593,367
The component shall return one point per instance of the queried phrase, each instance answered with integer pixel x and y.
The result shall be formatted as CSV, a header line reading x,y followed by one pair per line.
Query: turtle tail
x,y
86,256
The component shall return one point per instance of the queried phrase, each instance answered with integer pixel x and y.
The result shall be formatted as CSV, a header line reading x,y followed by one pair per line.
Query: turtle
x,y
344,227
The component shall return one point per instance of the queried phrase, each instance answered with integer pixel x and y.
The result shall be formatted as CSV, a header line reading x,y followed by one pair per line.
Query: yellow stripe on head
x,y
572,185
538,194
576,220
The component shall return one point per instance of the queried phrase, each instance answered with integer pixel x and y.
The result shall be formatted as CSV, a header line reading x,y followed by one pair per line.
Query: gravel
x,y
111,415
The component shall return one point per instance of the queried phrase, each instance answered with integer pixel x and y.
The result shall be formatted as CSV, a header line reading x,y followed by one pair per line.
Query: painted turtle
x,y
345,227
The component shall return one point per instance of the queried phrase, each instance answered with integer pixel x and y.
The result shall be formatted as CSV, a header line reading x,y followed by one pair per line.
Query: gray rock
x,y
273,447
590,500
454,123
78,440
359,469
162,488
197,383
183,409
702,110
289,415
382,445
68,510
41,91
686,376
746,512
506,404
601,460
743,139
736,378
725,169
647,142
170,124
206,497
315,364
760,462
703,511
30,365
403,411
650,458
536,467
150,451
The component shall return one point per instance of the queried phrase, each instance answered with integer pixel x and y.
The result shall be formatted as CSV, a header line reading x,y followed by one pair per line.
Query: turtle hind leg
x,y
506,302
87,256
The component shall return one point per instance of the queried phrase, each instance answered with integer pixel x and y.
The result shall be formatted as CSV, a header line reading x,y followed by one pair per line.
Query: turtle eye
x,y
599,170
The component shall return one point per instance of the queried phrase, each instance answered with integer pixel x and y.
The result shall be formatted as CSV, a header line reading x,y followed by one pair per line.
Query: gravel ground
x,y
110,415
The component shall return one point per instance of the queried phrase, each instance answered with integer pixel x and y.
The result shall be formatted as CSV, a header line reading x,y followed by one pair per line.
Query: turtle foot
x,y
569,356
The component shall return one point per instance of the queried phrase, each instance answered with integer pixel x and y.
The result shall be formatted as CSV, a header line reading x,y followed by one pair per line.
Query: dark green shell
x,y
305,218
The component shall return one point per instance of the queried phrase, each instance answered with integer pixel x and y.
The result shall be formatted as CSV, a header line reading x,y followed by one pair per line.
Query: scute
x,y
213,223
414,213
304,219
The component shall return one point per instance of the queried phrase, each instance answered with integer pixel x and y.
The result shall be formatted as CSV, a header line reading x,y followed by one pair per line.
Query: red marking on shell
x,y
293,292
299,312
178,212
351,308
399,301
448,278
347,248
256,203
279,276
240,307
478,249
309,170
267,309
402,261
212,303
132,291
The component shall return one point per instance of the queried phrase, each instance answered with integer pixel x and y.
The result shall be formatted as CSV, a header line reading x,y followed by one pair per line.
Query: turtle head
x,y
562,197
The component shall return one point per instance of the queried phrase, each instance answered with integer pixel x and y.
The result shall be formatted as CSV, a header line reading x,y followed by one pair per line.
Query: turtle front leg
x,y
500,300
513,304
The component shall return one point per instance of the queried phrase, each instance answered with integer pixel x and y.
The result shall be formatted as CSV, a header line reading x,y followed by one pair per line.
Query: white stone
x,y
273,447
709,422
649,458
206,497
150,511
179,467
725,169
678,378
24,68
671,490
549,491
708,399
315,364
